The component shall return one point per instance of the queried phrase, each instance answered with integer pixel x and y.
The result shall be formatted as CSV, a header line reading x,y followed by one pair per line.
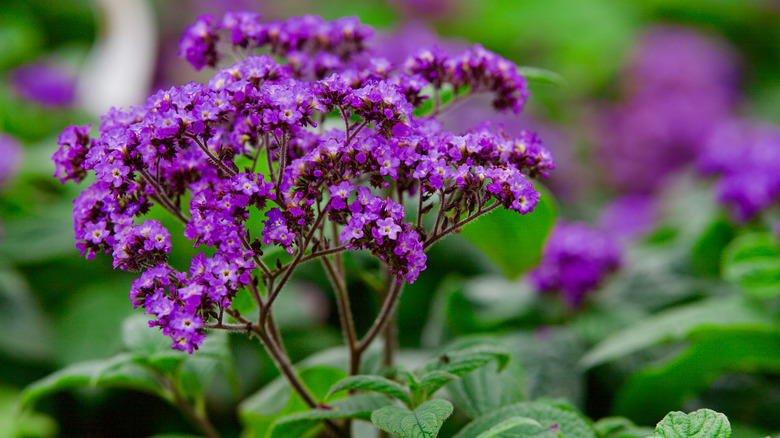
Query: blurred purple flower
x,y
679,59
10,158
679,86
629,216
396,45
576,258
746,156
45,84
424,8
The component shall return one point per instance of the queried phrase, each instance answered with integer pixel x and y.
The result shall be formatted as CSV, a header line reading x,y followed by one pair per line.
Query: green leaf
x,y
117,372
619,427
89,320
508,424
22,425
486,389
40,237
569,423
277,399
432,381
703,423
358,406
674,325
198,369
707,252
139,338
24,327
373,383
542,76
423,422
549,363
459,361
514,241
714,351
753,262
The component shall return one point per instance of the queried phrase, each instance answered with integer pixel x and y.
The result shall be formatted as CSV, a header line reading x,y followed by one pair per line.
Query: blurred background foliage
x,y
704,288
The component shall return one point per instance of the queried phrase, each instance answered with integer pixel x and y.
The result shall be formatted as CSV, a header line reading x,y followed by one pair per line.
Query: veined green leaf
x,y
508,424
373,383
704,423
424,422
463,360
358,406
432,381
486,389
569,423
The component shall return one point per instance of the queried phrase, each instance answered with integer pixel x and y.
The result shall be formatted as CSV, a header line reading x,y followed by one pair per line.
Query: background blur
x,y
635,107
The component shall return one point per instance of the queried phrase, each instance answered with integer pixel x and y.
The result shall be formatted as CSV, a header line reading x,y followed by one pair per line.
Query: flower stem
x,y
162,197
200,420
211,156
431,240
388,306
345,314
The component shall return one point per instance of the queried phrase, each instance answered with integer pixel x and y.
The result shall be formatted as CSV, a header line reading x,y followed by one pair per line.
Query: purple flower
x,y
388,227
679,87
10,157
746,155
576,259
198,45
45,84
194,151
629,216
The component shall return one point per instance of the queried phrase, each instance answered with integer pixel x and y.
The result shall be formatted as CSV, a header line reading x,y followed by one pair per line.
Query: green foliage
x,y
508,424
619,427
277,400
25,330
514,241
459,361
675,324
703,423
148,365
753,262
569,423
487,389
706,252
713,351
423,422
356,406
432,381
542,76
118,372
14,424
90,319
374,383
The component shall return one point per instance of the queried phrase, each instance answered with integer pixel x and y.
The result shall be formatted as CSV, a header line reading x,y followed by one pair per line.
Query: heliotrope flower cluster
x,y
476,68
253,141
576,259
746,156
678,87
313,46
